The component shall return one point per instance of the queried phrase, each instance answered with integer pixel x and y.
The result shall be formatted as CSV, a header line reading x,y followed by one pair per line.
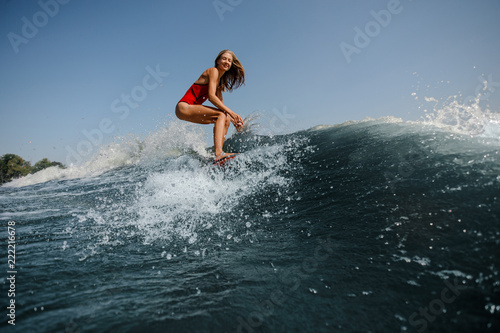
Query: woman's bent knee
x,y
180,112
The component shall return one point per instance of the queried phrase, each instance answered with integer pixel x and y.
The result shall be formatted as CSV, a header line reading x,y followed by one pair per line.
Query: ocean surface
x,y
368,226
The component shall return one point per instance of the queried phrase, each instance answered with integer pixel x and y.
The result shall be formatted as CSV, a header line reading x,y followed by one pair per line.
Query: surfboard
x,y
224,161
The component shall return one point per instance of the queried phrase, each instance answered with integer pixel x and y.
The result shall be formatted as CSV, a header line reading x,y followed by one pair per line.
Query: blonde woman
x,y
226,75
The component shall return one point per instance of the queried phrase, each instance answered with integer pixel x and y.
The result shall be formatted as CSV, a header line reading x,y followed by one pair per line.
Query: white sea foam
x,y
190,198
463,117
173,139
188,203
13,215
446,274
366,120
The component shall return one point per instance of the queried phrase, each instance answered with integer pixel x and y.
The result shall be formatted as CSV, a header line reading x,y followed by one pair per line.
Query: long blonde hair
x,y
235,76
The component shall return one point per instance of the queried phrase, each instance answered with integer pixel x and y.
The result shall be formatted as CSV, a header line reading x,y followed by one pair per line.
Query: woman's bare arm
x,y
215,96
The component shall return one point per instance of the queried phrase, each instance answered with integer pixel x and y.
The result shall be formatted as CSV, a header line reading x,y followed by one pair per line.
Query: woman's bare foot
x,y
222,156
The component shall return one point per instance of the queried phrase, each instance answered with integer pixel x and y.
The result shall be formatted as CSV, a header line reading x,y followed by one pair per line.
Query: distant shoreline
x,y
14,166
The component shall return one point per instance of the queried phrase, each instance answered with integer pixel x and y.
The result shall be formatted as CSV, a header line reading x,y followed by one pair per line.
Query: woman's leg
x,y
199,114
220,130
202,114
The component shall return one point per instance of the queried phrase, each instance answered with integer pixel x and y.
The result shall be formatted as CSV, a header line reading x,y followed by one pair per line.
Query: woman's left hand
x,y
237,122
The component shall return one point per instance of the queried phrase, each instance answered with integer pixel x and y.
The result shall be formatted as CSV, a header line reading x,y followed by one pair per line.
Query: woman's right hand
x,y
237,121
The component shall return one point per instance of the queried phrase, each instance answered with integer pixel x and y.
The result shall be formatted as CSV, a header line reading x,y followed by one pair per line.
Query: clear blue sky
x,y
67,66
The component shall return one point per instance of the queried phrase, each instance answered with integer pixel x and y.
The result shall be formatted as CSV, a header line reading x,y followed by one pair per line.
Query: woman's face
x,y
225,61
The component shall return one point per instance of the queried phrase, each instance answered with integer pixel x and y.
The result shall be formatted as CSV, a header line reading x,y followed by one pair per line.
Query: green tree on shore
x,y
13,166
44,164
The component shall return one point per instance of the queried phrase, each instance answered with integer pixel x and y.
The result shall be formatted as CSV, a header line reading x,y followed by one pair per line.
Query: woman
x,y
227,74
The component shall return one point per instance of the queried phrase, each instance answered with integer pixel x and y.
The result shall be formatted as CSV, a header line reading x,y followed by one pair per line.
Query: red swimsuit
x,y
196,94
